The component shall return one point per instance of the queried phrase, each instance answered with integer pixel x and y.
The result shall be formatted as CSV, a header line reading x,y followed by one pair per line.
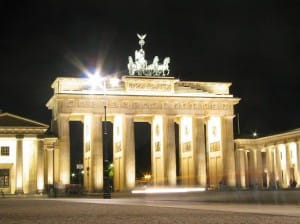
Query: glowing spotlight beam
x,y
167,190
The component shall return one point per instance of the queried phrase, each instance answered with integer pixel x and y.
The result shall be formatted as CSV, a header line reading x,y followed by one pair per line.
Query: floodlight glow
x,y
168,190
114,82
147,176
96,80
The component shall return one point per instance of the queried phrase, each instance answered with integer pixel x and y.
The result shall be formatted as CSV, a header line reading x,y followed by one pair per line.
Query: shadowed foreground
x,y
51,211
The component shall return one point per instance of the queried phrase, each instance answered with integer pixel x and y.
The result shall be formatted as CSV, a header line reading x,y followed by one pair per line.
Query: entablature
x,y
271,140
67,103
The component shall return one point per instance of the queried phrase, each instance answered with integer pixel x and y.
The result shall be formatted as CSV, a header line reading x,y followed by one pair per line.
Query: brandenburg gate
x,y
204,112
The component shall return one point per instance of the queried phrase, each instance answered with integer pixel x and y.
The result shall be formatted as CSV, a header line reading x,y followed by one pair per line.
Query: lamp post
x,y
106,187
97,81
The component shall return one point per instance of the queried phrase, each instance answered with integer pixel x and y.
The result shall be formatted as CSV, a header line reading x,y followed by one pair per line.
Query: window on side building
x,y
4,150
4,177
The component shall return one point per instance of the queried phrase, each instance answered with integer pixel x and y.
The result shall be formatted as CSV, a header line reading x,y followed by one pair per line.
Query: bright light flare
x,y
96,80
114,82
168,190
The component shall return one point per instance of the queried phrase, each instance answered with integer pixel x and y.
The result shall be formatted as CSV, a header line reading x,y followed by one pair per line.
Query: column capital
x,y
271,146
204,117
169,115
97,115
288,145
283,142
40,137
64,115
277,146
19,137
260,147
46,148
228,116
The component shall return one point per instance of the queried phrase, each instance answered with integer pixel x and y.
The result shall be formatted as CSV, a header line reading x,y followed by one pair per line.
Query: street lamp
x,y
106,188
96,81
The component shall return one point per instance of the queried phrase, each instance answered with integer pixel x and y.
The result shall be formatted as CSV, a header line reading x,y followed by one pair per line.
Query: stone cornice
x,y
282,138
146,86
18,130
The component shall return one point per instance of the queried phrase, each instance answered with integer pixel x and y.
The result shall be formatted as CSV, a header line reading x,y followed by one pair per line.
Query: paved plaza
x,y
140,210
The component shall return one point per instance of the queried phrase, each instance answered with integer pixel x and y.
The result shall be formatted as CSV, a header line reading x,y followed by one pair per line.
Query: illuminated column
x,y
282,150
298,162
247,172
157,155
187,151
269,165
241,162
288,163
64,148
252,167
96,154
50,166
169,150
199,150
40,166
228,151
259,168
163,150
93,154
19,166
278,171
55,153
87,120
124,153
129,151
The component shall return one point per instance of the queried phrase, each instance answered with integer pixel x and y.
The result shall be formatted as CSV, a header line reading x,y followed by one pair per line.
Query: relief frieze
x,y
136,106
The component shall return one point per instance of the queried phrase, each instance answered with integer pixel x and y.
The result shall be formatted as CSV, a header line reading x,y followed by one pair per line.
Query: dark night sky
x,y
252,44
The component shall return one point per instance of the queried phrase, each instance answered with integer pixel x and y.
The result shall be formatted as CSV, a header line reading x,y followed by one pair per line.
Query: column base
x,y
42,191
19,192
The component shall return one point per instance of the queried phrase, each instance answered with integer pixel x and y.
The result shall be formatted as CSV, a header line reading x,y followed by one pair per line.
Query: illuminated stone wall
x,y
203,111
23,155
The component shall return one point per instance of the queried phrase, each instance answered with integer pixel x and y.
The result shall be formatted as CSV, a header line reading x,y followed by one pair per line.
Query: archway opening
x,y
107,139
264,167
143,168
76,152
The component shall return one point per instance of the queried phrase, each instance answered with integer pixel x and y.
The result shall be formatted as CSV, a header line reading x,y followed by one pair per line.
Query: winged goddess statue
x,y
141,37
